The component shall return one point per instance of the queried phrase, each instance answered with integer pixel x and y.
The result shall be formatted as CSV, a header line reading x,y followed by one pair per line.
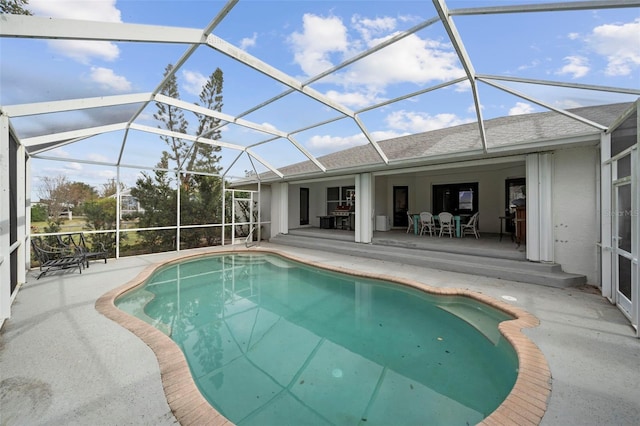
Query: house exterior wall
x,y
575,211
265,211
317,200
491,188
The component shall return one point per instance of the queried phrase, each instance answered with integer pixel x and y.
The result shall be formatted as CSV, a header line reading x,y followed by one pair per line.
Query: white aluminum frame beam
x,y
70,136
22,110
546,7
544,104
186,55
456,40
559,84
245,58
23,26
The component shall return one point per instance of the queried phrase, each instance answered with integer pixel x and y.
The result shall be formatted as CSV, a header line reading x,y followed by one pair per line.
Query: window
x,y
340,196
456,198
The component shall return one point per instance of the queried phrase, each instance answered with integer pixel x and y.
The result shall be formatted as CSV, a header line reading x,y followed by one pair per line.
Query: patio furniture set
x,y
66,252
441,224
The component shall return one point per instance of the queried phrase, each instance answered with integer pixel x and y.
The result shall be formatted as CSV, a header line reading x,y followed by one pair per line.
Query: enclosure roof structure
x,y
305,82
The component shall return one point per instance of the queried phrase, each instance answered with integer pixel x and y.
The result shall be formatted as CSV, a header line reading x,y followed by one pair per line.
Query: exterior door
x,y
622,246
304,206
400,205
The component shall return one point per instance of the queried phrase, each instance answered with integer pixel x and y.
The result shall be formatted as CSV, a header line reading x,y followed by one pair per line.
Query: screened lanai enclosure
x,y
160,126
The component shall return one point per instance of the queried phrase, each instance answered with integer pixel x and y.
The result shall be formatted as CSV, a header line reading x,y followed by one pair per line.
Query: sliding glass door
x,y
623,215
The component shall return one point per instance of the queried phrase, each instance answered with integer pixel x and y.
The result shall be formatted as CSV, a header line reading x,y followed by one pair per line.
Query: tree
x,y
192,156
200,195
173,120
101,215
54,193
79,194
111,188
157,196
202,156
14,7
38,213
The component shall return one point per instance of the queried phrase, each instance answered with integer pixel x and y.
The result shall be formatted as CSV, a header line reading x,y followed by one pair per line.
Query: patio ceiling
x,y
293,90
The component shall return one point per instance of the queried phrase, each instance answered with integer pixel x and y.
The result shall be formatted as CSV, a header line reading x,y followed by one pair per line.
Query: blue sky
x,y
302,39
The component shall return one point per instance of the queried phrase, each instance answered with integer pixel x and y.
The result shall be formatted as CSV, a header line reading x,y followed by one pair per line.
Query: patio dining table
x,y
416,222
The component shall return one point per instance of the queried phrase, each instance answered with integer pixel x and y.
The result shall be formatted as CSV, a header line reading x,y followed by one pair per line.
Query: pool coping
x,y
525,404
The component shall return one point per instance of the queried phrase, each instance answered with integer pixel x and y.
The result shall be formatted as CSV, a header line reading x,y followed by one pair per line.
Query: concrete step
x,y
547,274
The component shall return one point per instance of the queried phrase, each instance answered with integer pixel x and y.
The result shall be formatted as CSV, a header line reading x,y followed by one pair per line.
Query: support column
x,y
27,213
635,234
364,208
545,214
280,209
635,228
5,236
21,191
606,252
539,208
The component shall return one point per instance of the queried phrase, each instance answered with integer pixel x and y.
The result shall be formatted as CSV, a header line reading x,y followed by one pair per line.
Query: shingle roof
x,y
538,129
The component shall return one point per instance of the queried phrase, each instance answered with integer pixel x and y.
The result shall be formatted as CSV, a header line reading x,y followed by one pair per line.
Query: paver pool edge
x,y
525,404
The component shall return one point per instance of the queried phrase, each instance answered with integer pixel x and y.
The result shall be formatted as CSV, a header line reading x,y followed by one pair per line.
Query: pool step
x,y
547,274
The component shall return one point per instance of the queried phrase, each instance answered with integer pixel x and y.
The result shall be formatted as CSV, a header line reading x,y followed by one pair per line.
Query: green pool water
x,y
270,341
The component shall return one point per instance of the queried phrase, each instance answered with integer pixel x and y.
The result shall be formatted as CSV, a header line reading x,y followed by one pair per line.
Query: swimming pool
x,y
526,403
418,357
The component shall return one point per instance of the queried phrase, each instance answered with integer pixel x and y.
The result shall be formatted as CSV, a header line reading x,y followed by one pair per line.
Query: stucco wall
x,y
317,200
491,188
575,211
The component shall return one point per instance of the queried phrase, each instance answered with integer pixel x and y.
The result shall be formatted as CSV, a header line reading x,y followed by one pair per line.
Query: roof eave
x,y
541,145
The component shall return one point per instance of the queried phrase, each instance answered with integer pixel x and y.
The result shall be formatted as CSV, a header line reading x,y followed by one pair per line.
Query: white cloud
x,y
59,152
84,51
368,28
568,103
533,64
320,38
248,42
422,60
417,122
193,82
269,126
462,87
325,42
620,45
96,10
73,166
97,157
577,66
521,108
387,134
108,79
353,99
335,143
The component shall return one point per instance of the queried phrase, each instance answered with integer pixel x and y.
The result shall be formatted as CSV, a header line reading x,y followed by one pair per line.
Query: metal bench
x,y
77,242
51,258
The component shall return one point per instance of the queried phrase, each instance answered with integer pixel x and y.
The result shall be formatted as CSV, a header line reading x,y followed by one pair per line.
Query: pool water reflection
x,y
269,340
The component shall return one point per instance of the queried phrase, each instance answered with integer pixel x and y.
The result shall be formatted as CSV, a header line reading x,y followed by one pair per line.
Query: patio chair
x,y
447,225
471,227
55,259
427,224
410,221
98,250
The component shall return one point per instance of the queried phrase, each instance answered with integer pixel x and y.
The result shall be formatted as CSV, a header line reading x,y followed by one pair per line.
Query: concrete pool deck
x,y
62,362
